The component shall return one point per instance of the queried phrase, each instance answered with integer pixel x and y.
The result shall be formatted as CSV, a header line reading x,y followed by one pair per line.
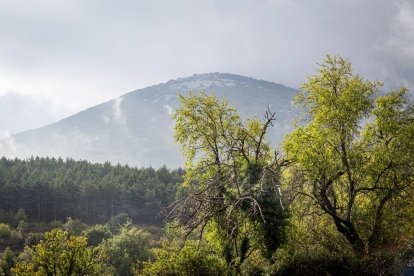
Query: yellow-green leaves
x,y
335,97
354,153
231,177
60,254
204,126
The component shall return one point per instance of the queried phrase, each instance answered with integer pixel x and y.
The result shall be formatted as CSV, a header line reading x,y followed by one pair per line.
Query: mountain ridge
x,y
136,128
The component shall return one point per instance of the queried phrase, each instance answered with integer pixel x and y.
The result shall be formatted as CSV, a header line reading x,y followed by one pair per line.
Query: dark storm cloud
x,y
83,52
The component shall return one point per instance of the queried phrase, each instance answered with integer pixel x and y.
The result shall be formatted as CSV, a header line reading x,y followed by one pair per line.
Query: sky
x,y
58,57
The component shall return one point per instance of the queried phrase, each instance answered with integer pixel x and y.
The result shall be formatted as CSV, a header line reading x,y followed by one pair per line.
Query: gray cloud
x,y
79,53
22,112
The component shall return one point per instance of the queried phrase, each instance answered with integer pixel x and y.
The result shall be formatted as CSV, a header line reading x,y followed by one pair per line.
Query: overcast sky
x,y
59,57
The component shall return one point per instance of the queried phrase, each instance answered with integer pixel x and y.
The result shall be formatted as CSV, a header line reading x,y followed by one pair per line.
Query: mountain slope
x,y
137,128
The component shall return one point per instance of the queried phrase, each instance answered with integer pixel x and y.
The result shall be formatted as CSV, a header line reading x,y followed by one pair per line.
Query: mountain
x,y
137,128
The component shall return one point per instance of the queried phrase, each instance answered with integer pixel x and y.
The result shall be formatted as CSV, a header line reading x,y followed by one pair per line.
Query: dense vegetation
x,y
232,180
337,201
354,157
51,189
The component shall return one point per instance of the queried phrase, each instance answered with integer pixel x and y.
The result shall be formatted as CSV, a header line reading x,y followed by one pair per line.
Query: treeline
x,y
53,189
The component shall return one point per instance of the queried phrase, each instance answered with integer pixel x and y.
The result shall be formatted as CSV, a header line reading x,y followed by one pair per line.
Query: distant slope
x,y
137,128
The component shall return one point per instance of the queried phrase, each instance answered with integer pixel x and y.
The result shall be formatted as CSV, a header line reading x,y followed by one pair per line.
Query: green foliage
x,y
6,216
271,234
336,265
50,189
54,224
16,238
354,156
127,250
20,216
349,190
7,261
232,178
191,259
404,257
74,226
33,239
60,254
5,231
256,265
23,227
117,222
96,234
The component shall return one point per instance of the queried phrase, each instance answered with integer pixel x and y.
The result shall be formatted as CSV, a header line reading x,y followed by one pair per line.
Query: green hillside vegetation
x,y
336,199
49,189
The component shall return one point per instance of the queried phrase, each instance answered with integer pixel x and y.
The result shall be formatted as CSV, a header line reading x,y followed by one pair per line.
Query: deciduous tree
x,y
232,177
354,154
60,254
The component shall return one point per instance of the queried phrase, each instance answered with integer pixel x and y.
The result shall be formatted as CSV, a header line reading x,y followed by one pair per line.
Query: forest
x,y
51,189
336,198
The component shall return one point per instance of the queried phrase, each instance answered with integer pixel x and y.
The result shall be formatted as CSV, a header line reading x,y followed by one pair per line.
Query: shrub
x,y
5,231
55,224
23,227
189,260
117,222
20,216
33,239
96,234
404,258
74,226
60,254
16,237
7,261
127,250
323,264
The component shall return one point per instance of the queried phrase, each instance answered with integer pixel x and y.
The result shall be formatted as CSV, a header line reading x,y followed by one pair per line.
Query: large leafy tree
x,y
354,154
232,177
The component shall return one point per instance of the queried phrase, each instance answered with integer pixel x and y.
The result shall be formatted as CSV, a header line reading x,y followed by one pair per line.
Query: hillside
x,y
137,128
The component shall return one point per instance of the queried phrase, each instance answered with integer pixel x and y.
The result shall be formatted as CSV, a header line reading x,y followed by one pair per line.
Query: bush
x,y
74,226
127,250
23,227
16,237
55,224
60,254
255,265
33,239
322,264
96,234
117,222
404,258
189,260
7,261
5,231
20,216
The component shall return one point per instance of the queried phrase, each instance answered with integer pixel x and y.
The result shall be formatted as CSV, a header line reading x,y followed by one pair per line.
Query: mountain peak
x,y
137,128
208,81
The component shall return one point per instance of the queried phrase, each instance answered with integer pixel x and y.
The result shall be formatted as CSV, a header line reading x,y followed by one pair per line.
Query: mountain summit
x,y
137,128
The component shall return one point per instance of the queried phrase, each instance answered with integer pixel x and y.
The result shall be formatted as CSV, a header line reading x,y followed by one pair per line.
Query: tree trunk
x,y
348,230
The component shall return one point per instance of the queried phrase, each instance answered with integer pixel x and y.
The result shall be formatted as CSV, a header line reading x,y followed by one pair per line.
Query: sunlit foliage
x,y
354,157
